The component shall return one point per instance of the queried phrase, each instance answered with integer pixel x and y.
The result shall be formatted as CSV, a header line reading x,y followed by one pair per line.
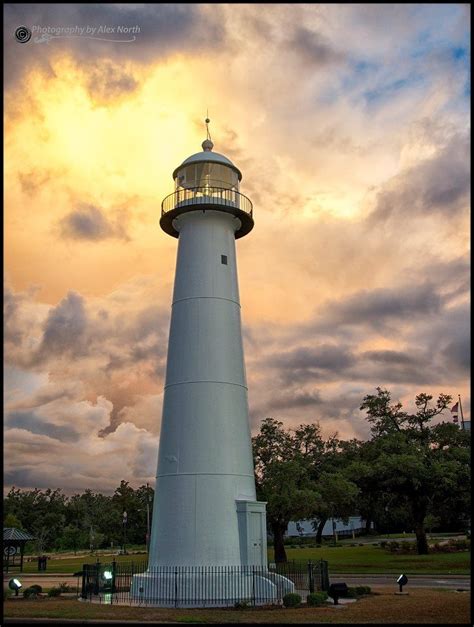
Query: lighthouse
x,y
206,518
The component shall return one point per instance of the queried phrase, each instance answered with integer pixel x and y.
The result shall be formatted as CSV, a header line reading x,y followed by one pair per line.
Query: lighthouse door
x,y
255,538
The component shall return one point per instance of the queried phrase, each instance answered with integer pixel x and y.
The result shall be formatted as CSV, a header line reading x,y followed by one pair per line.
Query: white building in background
x,y
205,512
304,528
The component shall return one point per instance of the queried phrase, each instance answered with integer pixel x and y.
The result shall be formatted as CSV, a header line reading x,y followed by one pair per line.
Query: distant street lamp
x,y
124,525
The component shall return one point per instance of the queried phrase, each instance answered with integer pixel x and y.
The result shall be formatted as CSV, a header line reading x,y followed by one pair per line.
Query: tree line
x,y
83,521
410,474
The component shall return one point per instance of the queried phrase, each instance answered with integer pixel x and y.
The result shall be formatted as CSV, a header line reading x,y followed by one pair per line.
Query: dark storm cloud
x,y
439,184
325,357
449,337
88,222
30,421
314,48
389,357
453,276
65,328
295,399
458,353
117,352
303,366
383,305
164,28
23,478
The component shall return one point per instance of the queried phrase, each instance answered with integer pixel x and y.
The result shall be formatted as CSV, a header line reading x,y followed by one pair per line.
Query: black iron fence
x,y
200,586
208,195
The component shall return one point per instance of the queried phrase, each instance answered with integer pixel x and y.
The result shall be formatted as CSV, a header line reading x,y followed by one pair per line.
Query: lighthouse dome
x,y
209,157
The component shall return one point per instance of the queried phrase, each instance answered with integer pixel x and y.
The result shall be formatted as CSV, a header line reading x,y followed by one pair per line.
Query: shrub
x,y
393,545
64,587
291,600
6,593
54,592
241,605
383,544
36,587
316,598
459,545
361,590
350,594
406,547
30,593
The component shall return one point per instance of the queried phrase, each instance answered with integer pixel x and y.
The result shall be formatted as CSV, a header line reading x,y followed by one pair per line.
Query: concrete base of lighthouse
x,y
208,587
218,585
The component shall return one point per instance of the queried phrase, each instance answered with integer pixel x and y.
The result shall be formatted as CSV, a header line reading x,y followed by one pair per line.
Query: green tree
x,y
412,462
11,520
282,480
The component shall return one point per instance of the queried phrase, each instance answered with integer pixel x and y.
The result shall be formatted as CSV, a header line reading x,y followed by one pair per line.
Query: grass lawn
x,y
342,559
374,559
420,606
70,565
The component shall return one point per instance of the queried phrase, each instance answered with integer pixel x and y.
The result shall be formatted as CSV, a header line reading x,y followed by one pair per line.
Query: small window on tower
x,y
224,259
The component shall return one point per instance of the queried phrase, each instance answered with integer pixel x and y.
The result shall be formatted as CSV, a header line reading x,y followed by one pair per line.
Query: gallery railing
x,y
180,586
208,195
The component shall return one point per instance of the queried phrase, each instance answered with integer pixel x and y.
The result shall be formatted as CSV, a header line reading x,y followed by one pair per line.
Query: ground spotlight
x,y
14,584
107,574
402,581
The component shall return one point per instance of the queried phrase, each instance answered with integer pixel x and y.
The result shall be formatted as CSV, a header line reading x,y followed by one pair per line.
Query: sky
x,y
350,124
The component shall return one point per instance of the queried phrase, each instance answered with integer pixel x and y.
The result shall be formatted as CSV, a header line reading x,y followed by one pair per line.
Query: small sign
x,y
9,550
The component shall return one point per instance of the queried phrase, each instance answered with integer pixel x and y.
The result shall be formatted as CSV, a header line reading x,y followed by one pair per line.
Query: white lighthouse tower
x,y
205,516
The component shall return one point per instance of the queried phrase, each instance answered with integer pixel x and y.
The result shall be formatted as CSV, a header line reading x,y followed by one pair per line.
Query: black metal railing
x,y
200,586
208,195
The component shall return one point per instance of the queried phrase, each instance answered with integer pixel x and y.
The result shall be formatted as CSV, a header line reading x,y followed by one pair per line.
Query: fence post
x,y
84,575
324,575
176,586
113,575
310,577
253,584
97,583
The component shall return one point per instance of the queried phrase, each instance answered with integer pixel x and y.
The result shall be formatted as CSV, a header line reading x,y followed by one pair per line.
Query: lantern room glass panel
x,y
208,175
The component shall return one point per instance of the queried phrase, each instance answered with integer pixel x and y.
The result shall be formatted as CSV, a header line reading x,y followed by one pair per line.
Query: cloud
x,y
314,48
42,461
381,306
35,424
164,29
88,222
316,363
350,130
439,184
115,347
65,328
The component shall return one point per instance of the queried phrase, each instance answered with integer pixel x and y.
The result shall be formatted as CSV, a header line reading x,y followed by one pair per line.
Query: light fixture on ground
x,y
402,581
207,523
15,584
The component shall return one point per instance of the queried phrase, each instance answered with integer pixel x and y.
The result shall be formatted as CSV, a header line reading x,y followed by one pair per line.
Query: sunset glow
x,y
350,124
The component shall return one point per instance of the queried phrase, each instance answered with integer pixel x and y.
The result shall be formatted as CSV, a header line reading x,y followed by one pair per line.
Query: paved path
x,y
451,582
46,580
